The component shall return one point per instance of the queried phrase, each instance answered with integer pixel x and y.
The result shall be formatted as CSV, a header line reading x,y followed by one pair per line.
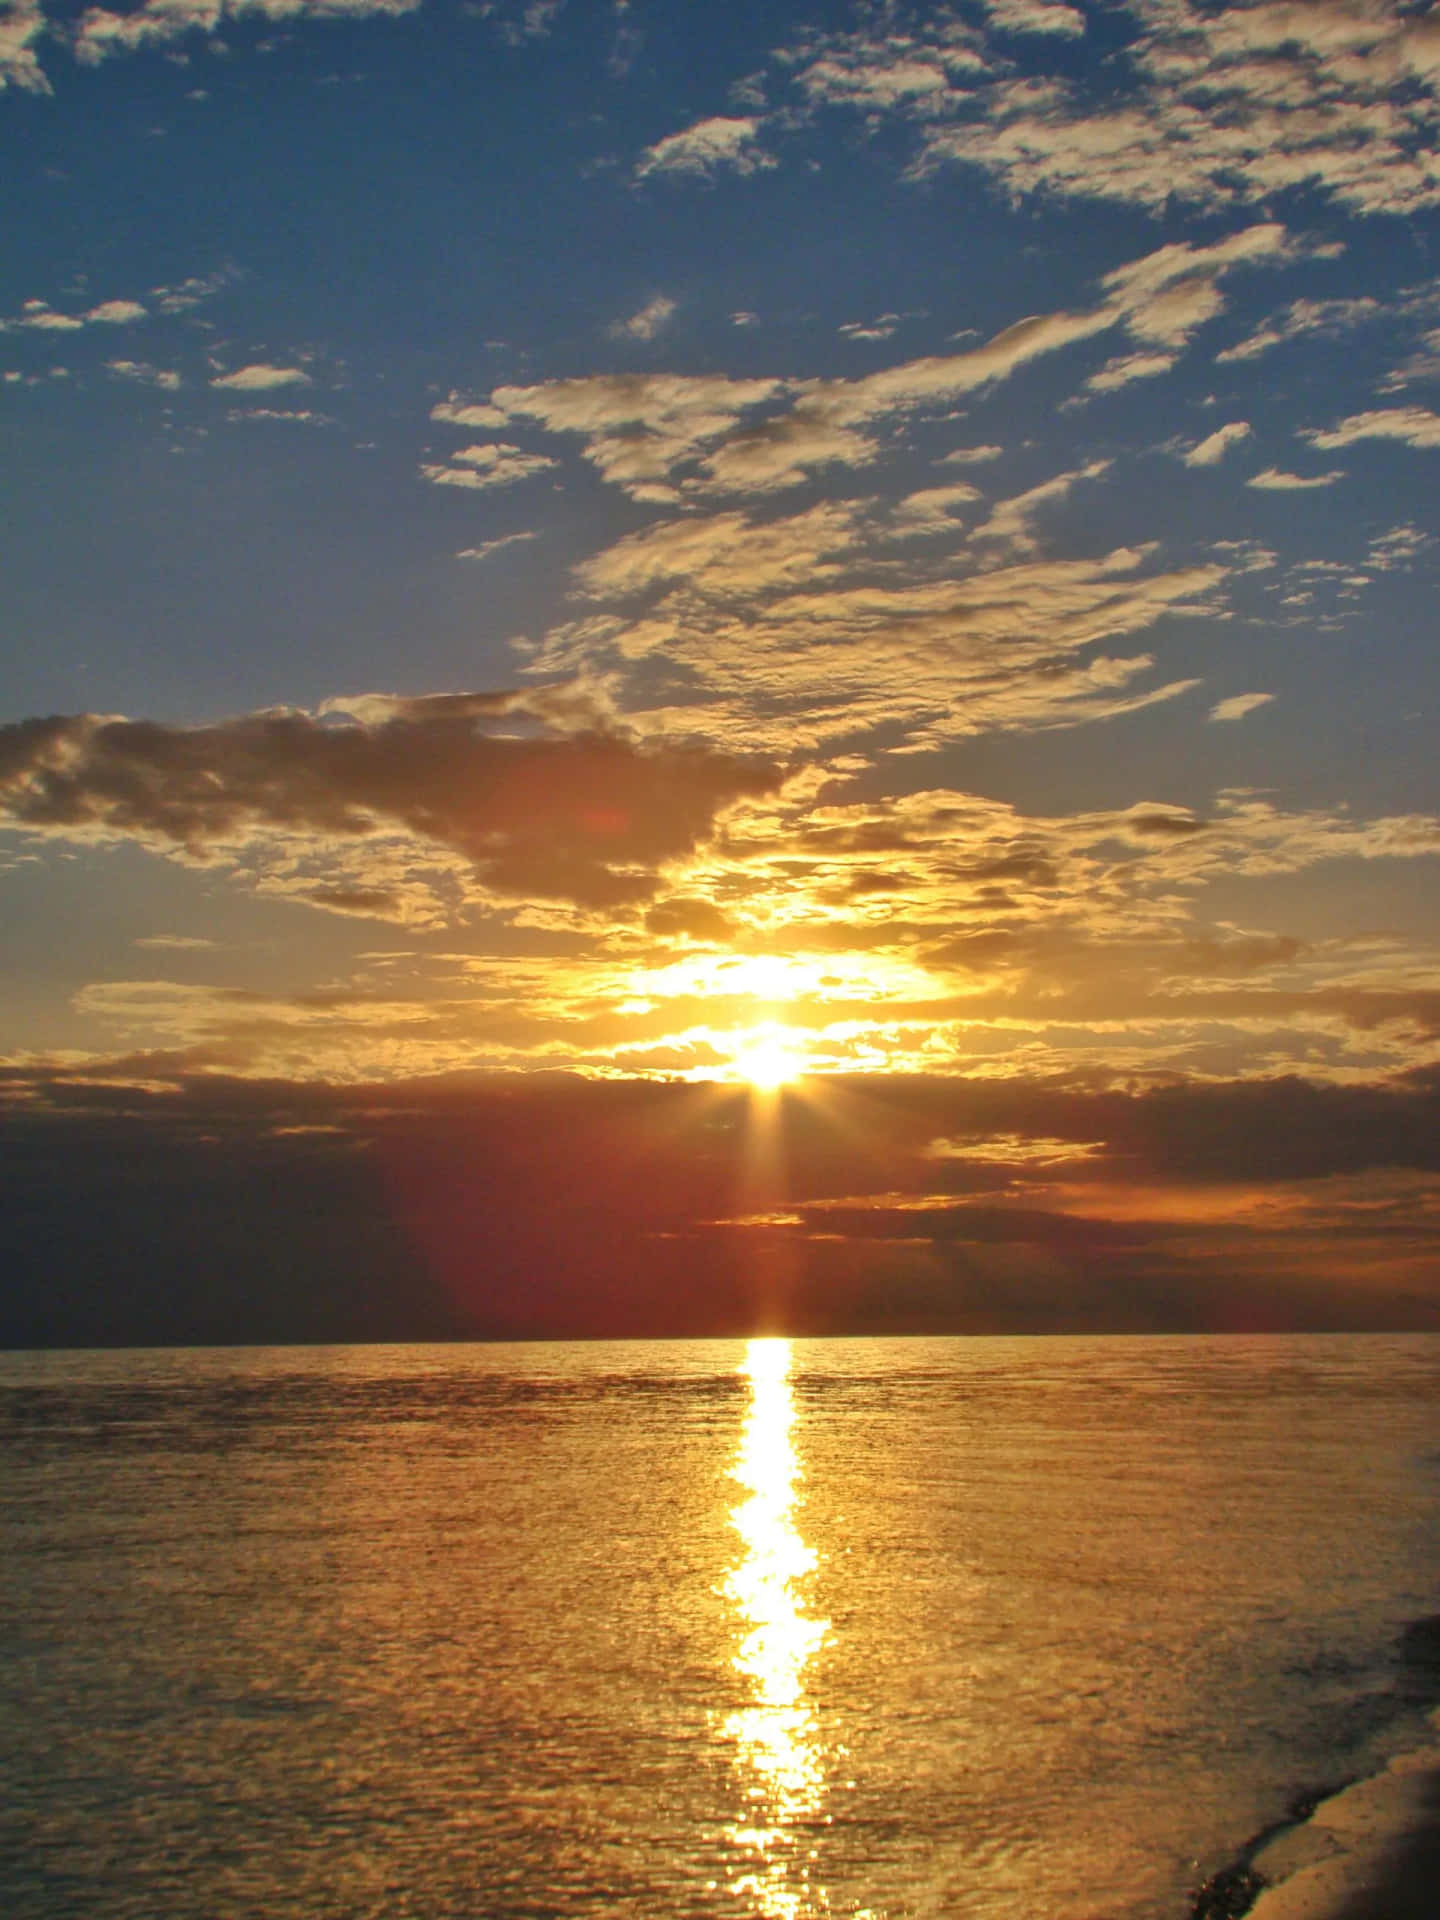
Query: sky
x,y
811,626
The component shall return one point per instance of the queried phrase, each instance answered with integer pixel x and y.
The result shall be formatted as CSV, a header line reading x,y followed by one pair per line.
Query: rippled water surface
x,y
1012,1629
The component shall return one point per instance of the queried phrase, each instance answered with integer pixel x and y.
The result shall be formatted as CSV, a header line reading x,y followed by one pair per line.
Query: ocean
x,y
1017,1629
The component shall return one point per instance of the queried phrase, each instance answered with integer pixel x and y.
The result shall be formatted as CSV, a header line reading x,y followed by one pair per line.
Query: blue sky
x,y
931,513
665,544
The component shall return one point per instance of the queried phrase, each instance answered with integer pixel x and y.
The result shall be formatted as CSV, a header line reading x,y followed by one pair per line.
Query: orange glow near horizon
x,y
775,1735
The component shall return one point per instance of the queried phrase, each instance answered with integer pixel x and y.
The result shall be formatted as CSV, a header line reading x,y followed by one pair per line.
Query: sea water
x,y
1033,1629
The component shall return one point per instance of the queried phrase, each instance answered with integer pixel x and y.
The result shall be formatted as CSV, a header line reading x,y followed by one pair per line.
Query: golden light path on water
x,y
775,1735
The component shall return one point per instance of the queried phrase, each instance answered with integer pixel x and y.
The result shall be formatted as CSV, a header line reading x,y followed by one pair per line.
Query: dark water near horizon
x,y
1031,1629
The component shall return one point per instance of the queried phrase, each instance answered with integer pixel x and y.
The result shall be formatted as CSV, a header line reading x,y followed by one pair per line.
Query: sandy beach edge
x,y
1370,1850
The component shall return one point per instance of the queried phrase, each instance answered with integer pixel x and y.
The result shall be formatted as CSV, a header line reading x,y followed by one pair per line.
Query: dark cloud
x,y
586,817
697,919
152,1203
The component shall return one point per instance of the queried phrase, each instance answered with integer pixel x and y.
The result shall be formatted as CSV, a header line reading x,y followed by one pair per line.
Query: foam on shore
x,y
1369,1852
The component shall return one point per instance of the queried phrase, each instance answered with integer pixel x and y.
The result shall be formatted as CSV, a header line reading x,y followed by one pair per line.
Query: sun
x,y
767,1058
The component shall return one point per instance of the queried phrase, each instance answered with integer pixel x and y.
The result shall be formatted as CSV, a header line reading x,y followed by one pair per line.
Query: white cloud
x,y
1273,480
668,437
931,509
40,315
261,378
1415,426
1166,295
782,635
456,412
1012,521
144,374
186,295
856,77
101,33
118,313
487,547
638,427
652,318
1210,451
1129,367
723,555
291,416
880,329
970,456
1220,107
1328,318
705,149
1398,549
1036,16
1238,705
495,465
21,25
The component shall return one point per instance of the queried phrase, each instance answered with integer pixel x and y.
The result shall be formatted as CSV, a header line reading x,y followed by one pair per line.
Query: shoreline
x,y
1366,1850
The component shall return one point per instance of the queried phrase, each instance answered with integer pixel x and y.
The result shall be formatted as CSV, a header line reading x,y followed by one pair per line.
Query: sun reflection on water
x,y
775,1735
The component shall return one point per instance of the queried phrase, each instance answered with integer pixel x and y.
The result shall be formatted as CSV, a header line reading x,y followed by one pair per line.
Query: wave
x,y
1365,1850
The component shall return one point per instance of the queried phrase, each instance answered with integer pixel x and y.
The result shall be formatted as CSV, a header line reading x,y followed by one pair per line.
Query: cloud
x,y
970,456
880,329
666,437
185,295
705,149
102,34
920,1206
1217,108
261,377
456,412
931,509
1121,371
723,554
487,547
531,21
1210,451
854,78
637,427
1011,521
42,317
1167,295
1398,548
21,25
1238,705
783,632
587,818
1328,318
494,465
652,319
284,416
39,316
1036,16
1273,480
1415,426
144,374
118,313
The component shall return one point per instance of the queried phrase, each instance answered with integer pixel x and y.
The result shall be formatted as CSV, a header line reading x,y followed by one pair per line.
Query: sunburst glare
x,y
768,1057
